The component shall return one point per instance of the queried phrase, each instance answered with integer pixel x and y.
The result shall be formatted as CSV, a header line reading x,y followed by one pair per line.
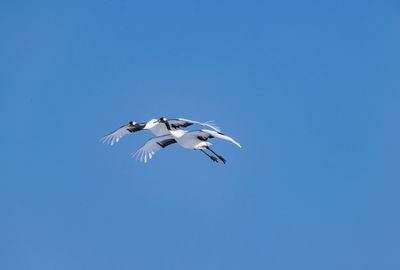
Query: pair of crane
x,y
167,132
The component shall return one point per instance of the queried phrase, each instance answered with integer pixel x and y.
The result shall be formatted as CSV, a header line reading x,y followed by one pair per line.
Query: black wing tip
x,y
136,128
181,125
167,142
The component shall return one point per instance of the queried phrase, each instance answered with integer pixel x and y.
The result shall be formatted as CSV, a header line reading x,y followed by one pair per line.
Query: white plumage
x,y
191,140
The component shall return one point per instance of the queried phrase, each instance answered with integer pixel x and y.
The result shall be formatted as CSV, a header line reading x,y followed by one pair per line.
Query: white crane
x,y
196,140
155,126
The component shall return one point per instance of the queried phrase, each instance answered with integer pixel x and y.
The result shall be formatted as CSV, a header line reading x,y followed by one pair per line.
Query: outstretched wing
x,y
122,131
181,122
206,134
152,146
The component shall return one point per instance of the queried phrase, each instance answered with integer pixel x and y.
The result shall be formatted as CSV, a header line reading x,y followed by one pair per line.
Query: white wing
x,y
182,122
122,131
206,134
152,146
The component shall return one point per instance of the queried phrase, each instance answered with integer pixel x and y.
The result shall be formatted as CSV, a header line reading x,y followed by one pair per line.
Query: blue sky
x,y
310,89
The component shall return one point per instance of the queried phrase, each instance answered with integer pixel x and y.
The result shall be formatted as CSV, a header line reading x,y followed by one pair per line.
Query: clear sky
x,y
311,89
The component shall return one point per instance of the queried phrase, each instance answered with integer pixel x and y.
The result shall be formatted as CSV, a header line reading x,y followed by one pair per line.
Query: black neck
x,y
167,124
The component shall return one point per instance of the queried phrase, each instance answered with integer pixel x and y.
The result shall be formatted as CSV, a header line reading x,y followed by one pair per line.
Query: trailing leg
x,y
210,156
221,158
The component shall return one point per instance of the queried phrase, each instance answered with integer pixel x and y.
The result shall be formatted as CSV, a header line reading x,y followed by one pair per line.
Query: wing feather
x,y
182,122
147,151
116,135
206,134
